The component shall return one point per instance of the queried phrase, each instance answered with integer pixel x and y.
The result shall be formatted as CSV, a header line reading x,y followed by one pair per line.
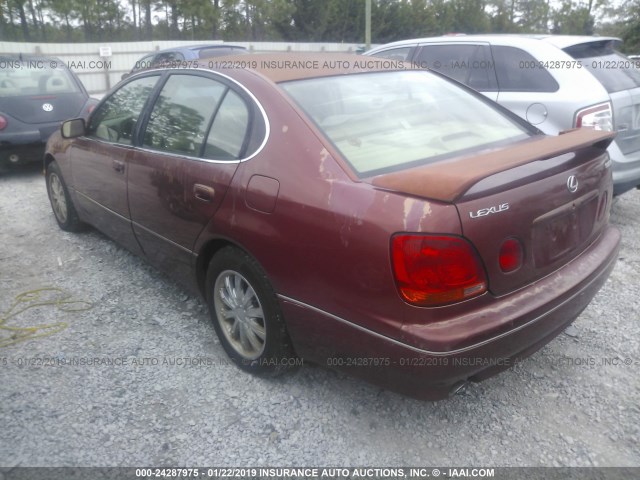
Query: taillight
x,y
3,122
598,117
511,255
91,108
434,270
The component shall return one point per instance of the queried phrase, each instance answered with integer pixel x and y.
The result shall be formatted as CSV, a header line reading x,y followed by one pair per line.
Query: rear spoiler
x,y
449,180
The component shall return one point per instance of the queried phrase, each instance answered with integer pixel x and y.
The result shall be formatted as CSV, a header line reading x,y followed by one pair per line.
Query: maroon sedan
x,y
352,212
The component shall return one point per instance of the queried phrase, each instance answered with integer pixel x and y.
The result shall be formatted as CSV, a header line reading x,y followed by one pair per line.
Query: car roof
x,y
560,41
306,65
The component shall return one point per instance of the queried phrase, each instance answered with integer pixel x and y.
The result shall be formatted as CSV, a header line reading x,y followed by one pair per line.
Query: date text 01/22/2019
x,y
314,472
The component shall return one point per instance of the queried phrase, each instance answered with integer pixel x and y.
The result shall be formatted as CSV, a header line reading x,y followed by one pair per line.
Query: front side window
x,y
181,115
467,63
115,120
518,71
388,121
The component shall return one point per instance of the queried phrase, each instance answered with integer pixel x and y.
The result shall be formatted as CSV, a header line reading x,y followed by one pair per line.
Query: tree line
x,y
308,20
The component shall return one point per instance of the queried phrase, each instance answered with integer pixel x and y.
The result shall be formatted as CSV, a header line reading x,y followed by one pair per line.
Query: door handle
x,y
203,193
118,166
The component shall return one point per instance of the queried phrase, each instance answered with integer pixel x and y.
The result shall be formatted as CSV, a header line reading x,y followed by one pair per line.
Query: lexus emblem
x,y
572,183
47,107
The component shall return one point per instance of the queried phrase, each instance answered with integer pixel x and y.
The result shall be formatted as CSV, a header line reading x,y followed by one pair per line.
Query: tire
x,y
246,314
61,204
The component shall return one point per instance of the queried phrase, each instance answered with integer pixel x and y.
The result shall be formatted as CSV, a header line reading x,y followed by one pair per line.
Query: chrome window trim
x,y
187,157
267,125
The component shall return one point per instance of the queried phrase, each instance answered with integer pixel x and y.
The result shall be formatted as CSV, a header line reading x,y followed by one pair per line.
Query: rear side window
x,y
229,129
401,54
517,71
468,64
612,69
180,116
116,119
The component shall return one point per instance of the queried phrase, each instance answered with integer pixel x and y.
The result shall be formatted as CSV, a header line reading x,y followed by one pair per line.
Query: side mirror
x,y
73,128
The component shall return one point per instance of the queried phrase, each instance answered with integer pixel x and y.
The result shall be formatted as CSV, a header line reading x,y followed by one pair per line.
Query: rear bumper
x,y
335,342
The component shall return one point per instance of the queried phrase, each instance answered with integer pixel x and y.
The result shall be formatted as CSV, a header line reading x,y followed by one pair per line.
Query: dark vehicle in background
x,y
555,82
36,95
388,222
173,56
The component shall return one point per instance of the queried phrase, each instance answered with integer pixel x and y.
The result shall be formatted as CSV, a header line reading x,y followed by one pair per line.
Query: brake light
x,y
598,117
511,255
435,270
3,122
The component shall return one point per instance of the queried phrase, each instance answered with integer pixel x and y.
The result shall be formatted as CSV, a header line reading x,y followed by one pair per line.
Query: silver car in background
x,y
554,82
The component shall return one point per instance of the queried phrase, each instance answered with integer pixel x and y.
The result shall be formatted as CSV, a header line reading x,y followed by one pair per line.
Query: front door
x,y
100,160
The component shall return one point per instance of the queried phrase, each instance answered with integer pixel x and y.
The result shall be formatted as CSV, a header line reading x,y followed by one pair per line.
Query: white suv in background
x,y
554,82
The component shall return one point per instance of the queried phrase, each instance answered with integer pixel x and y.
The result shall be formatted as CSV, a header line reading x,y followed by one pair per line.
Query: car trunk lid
x,y
552,194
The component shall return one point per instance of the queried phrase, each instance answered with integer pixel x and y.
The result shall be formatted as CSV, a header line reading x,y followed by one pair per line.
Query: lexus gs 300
x,y
352,212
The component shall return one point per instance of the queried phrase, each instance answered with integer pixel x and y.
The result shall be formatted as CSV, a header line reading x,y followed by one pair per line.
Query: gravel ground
x,y
574,403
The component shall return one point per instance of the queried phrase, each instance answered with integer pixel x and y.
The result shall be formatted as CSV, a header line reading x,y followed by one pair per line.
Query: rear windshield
x,y
615,71
388,121
34,77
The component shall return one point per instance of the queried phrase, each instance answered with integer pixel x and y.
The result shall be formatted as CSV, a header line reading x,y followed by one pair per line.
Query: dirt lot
x,y
113,382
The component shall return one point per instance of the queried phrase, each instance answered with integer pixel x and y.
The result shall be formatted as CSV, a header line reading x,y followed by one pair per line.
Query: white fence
x,y
100,73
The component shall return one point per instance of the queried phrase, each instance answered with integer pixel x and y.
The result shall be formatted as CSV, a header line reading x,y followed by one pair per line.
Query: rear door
x,y
193,141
